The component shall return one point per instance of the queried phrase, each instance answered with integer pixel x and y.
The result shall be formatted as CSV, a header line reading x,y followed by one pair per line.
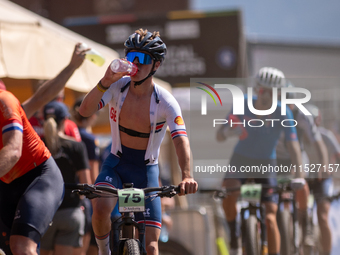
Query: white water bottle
x,y
93,55
123,65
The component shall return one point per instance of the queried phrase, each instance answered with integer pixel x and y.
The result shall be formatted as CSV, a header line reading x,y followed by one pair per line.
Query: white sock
x,y
103,243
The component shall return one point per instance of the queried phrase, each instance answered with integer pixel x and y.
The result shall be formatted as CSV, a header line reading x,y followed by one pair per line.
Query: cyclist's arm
x,y
89,104
224,131
221,133
11,151
188,184
49,90
293,147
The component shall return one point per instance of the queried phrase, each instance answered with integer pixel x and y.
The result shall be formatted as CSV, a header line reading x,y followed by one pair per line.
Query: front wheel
x,y
252,236
285,228
131,247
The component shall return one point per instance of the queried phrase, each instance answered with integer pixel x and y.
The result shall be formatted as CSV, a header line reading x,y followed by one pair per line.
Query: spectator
x,y
67,229
93,151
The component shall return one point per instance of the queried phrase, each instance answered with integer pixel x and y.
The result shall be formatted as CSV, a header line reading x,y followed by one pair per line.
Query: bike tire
x,y
131,247
172,248
285,228
252,236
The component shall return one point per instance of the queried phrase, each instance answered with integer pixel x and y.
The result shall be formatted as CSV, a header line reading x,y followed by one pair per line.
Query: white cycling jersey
x,y
164,111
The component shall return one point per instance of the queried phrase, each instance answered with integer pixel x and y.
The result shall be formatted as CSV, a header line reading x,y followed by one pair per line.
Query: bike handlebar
x,y
92,191
291,186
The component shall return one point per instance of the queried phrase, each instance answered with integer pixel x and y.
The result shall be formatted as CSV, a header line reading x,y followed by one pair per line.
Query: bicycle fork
x,y
123,229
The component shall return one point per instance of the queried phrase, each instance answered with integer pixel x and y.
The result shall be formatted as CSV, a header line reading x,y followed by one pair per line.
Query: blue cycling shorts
x,y
131,168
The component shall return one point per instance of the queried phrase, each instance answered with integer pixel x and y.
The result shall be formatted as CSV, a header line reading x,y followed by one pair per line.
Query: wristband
x,y
101,88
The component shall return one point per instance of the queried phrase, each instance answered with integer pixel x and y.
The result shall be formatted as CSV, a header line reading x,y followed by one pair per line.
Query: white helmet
x,y
290,95
270,77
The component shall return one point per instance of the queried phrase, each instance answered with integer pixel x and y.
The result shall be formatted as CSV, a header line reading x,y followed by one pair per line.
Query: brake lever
x,y
169,192
87,192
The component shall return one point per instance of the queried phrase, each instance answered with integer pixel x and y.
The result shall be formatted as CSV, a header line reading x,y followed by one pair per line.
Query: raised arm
x,y
51,88
90,103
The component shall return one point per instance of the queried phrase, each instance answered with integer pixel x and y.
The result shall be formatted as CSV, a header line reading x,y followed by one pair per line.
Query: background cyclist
x,y
256,147
324,187
309,134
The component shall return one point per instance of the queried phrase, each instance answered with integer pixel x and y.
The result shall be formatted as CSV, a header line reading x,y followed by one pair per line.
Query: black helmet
x,y
156,47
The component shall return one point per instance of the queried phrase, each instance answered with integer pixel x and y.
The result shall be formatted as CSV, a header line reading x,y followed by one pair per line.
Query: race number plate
x,y
251,192
131,200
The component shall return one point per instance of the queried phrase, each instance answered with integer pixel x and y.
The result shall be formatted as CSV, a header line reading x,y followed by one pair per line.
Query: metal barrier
x,y
194,228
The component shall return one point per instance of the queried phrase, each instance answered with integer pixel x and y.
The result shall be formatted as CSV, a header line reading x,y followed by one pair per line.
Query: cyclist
x,y
308,133
256,146
323,188
139,110
31,185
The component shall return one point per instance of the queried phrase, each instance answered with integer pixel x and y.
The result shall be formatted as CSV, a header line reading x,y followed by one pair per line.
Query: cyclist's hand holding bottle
x,y
111,77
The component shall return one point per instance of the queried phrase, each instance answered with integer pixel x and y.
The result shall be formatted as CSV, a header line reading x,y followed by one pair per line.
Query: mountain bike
x,y
254,240
130,200
253,228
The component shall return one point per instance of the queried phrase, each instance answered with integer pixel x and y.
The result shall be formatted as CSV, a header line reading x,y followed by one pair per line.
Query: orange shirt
x,y
34,151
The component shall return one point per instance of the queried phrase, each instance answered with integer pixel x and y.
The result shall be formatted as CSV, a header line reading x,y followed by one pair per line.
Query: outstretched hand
x,y
78,56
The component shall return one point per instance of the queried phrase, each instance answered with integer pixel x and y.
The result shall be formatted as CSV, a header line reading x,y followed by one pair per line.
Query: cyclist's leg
x,y
233,180
230,211
22,245
36,207
270,200
152,217
229,202
301,197
102,207
322,190
151,240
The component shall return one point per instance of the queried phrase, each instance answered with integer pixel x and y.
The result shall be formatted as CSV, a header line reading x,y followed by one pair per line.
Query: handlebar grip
x,y
178,189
